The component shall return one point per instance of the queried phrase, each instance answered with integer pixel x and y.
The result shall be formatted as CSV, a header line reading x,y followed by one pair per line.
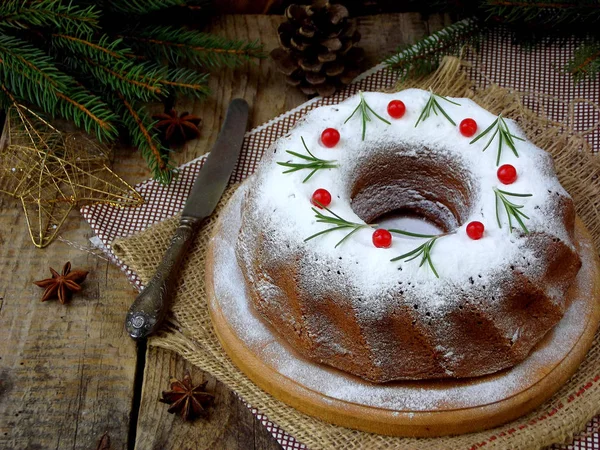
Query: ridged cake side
x,y
409,324
482,329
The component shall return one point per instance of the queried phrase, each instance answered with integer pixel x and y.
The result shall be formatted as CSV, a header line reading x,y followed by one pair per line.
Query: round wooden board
x,y
260,360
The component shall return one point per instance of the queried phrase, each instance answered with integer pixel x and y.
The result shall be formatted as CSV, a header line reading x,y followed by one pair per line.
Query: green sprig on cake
x,y
382,238
512,210
433,106
504,137
365,114
339,222
313,163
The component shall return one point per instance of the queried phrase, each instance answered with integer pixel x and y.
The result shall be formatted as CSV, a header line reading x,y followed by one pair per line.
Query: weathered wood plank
x,y
66,371
231,425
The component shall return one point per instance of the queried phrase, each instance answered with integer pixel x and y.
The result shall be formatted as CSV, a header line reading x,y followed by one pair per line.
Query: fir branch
x,y
585,63
365,117
20,59
108,62
423,250
79,66
504,137
338,222
202,49
49,13
31,76
134,80
313,163
113,66
543,11
424,56
512,210
145,138
89,112
104,49
184,80
433,106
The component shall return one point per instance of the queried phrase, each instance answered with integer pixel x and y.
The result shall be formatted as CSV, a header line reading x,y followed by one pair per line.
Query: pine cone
x,y
317,51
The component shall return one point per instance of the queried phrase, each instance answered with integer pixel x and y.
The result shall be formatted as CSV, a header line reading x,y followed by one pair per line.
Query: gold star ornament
x,y
51,172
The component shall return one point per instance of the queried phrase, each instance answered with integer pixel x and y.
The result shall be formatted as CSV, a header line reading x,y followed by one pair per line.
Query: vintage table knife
x,y
150,307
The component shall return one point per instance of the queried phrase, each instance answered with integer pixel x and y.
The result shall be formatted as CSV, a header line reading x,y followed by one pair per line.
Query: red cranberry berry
x,y
396,109
507,174
382,238
330,137
475,230
320,198
468,127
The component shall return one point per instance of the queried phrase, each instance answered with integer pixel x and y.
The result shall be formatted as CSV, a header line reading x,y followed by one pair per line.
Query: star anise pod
x,y
177,129
63,285
187,400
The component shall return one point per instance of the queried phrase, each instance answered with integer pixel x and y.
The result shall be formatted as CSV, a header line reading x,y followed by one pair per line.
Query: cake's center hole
x,y
413,190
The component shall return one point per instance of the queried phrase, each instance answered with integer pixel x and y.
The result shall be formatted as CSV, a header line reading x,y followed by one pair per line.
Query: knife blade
x,y
150,307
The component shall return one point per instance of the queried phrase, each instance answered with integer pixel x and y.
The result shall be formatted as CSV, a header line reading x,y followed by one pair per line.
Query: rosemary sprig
x,y
423,250
505,136
313,163
364,109
511,209
433,106
340,224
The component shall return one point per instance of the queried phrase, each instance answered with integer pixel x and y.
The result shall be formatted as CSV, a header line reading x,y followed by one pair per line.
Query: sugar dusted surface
x,y
283,200
303,288
231,297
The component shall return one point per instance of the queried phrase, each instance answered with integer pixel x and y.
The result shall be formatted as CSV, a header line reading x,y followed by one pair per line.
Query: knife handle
x,y
151,305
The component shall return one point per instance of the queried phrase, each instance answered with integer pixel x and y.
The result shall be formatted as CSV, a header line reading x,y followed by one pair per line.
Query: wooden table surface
x,y
69,373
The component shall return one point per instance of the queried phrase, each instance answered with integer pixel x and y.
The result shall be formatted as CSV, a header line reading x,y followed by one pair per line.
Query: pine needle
x,y
145,138
585,63
178,45
424,56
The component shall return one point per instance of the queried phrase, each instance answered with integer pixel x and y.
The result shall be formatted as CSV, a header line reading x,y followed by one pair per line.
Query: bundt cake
x,y
392,304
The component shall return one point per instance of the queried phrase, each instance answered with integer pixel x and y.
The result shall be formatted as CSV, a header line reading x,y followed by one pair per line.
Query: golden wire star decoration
x,y
51,172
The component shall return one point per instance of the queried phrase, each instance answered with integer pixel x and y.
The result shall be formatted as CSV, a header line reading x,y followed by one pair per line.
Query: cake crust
x,y
350,306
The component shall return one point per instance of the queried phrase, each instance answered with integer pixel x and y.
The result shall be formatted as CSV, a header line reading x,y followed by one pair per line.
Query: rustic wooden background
x,y
69,373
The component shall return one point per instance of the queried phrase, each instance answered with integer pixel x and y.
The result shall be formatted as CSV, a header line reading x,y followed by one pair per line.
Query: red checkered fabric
x,y
497,61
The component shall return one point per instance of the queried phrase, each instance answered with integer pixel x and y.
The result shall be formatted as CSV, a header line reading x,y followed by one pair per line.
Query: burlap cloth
x,y
191,334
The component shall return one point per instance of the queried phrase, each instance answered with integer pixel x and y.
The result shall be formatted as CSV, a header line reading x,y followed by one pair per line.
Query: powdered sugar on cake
x,y
349,305
286,199
232,298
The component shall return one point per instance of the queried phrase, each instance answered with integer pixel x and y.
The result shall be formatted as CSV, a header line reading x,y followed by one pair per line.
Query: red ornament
x,y
507,174
475,230
320,198
396,109
468,127
330,137
382,238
